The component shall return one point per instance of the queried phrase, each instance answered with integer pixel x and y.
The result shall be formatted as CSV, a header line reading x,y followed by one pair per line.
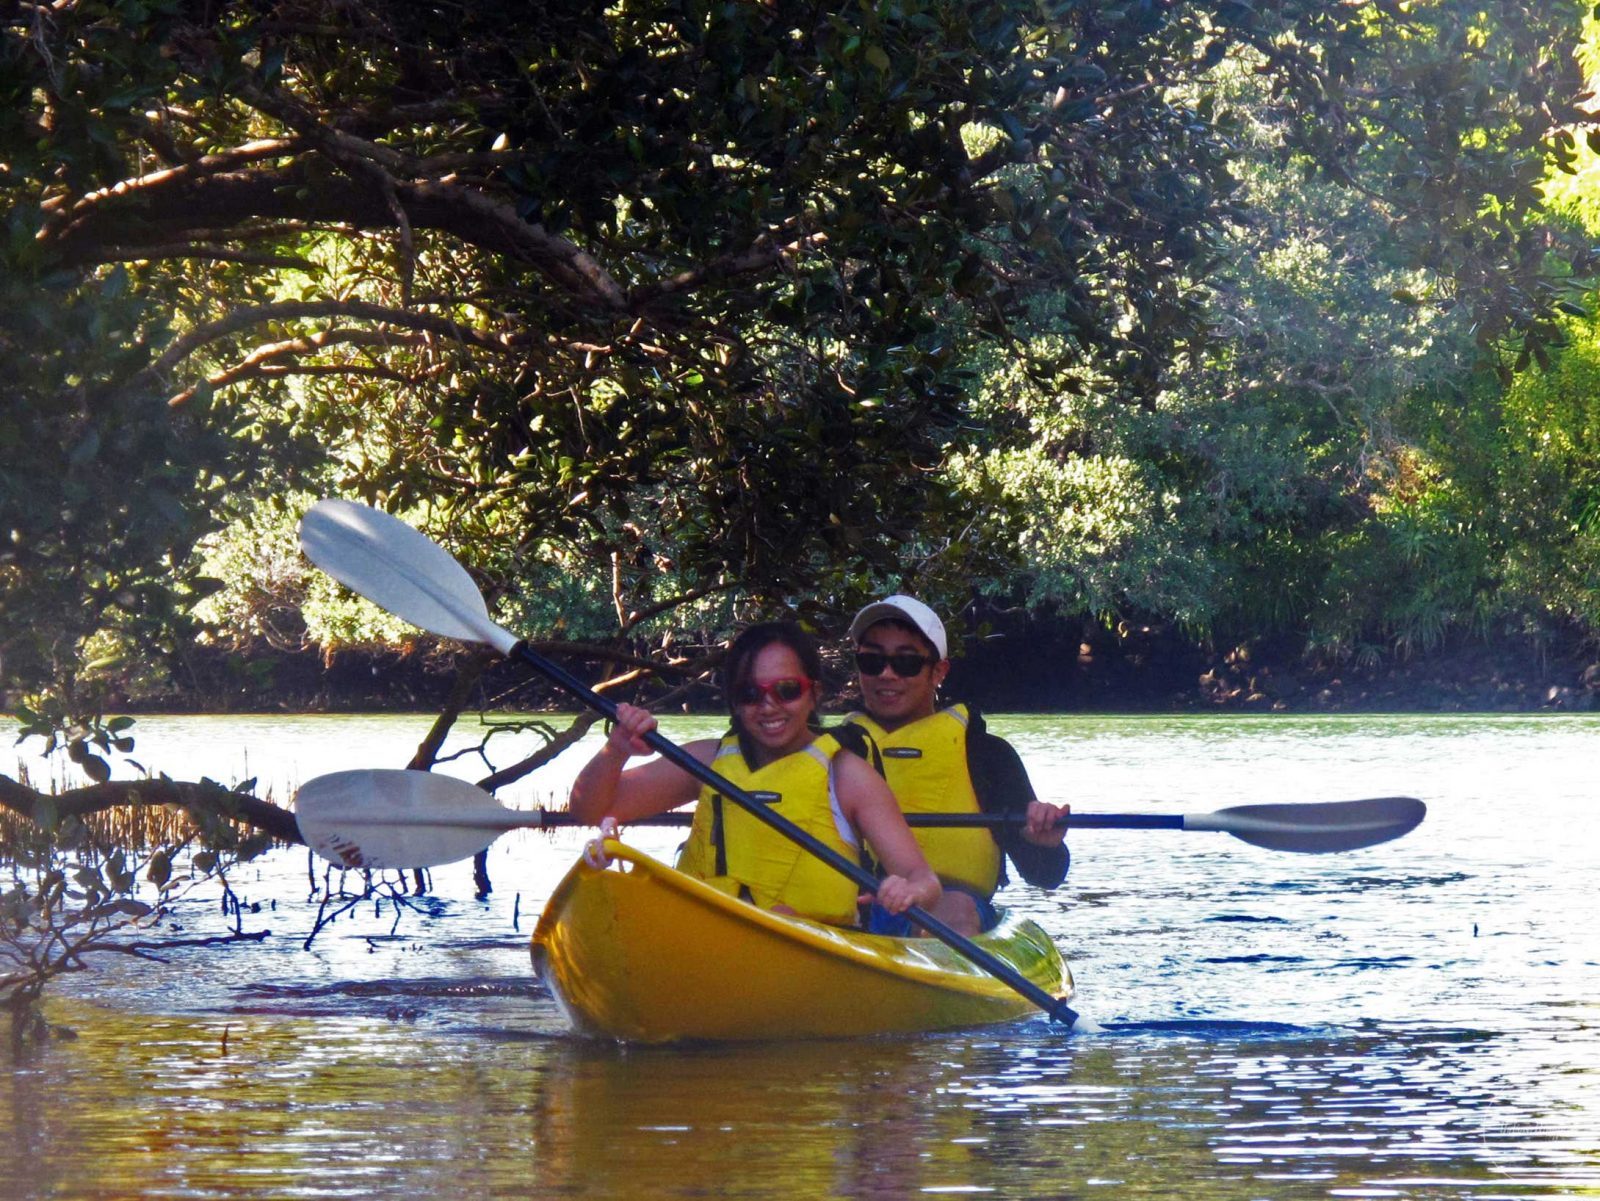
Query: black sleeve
x,y
1002,785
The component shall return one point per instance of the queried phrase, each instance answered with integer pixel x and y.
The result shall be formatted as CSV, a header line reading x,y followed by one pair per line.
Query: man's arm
x,y
1002,785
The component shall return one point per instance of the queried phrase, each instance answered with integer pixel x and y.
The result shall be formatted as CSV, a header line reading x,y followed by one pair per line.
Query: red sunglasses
x,y
782,692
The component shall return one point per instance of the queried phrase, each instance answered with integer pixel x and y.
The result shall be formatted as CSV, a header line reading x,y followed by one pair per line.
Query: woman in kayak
x,y
778,752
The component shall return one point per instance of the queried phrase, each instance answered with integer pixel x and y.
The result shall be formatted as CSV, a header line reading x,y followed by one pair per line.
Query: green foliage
x,y
1537,480
609,284
83,550
1481,515
1333,464
708,309
271,593
86,742
1098,528
1453,114
1407,576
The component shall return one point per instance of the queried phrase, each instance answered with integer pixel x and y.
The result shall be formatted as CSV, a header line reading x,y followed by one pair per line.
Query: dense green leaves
x,y
731,306
1334,465
676,289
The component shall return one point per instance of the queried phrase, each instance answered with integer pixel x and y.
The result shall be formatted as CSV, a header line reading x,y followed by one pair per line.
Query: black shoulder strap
x,y
719,835
977,732
859,743
719,828
975,723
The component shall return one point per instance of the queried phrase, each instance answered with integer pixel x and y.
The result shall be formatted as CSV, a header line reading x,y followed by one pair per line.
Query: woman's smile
x,y
777,726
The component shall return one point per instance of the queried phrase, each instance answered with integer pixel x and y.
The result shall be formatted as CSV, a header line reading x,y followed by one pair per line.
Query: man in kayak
x,y
777,751
941,760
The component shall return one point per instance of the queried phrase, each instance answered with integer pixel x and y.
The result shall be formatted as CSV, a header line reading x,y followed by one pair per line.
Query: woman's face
x,y
777,726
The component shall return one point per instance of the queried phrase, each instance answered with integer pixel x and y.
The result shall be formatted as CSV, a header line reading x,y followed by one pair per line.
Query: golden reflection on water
x,y
861,1120
270,1106
290,1106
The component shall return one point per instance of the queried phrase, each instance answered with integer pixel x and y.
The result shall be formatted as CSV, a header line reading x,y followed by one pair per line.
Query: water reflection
x,y
819,1120
1417,1020
341,1107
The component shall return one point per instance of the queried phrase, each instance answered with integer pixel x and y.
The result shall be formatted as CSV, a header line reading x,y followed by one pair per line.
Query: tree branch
x,y
96,798
219,254
572,734
467,677
639,616
244,318
766,251
63,210
265,360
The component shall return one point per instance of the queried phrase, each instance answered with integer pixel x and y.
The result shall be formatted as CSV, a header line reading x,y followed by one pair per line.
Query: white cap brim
x,y
907,609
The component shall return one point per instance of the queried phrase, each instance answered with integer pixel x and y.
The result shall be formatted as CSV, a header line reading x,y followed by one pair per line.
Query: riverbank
x,y
1017,669
1155,669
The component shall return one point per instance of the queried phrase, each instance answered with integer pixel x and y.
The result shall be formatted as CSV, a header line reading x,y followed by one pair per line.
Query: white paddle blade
x,y
1316,827
399,569
399,819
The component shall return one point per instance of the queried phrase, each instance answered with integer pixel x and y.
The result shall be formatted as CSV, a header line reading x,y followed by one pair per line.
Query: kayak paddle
x,y
383,818
402,570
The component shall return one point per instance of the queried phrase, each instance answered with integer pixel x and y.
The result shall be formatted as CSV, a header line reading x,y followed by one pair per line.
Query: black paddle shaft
x,y
549,819
1058,1009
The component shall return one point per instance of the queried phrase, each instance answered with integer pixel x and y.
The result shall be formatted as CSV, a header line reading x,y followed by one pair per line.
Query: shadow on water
x,y
1338,885
1246,917
395,999
1214,1030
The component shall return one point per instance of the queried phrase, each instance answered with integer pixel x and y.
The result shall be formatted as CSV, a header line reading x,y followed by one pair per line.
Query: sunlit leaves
x,y
601,285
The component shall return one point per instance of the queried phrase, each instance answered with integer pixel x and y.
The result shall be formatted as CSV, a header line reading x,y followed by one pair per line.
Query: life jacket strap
x,y
718,836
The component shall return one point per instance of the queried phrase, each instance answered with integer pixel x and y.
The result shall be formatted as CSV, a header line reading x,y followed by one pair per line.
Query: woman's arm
x,y
604,789
872,809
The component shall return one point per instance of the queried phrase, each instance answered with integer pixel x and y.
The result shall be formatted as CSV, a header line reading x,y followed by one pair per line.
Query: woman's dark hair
x,y
741,659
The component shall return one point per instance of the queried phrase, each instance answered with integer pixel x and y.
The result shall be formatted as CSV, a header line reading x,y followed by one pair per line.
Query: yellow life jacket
x,y
925,762
739,854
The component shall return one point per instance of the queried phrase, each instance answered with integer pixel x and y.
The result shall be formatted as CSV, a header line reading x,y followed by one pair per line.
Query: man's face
x,y
891,699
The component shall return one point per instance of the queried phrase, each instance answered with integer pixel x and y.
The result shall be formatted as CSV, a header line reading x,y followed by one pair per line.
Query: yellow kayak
x,y
641,952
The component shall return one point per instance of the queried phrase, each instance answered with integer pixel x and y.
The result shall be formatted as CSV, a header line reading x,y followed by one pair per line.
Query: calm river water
x,y
1420,1019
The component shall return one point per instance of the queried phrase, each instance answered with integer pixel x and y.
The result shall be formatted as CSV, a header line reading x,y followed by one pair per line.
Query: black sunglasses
x,y
904,664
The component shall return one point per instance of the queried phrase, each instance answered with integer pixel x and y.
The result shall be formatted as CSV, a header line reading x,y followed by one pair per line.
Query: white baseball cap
x,y
907,609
